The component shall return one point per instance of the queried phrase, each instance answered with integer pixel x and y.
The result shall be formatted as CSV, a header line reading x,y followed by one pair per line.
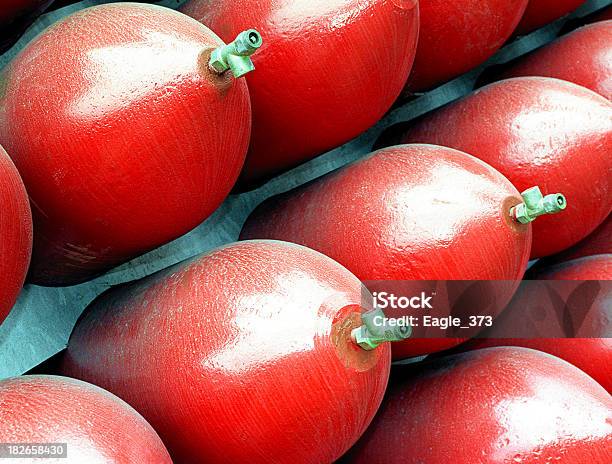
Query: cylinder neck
x,y
535,205
236,56
378,329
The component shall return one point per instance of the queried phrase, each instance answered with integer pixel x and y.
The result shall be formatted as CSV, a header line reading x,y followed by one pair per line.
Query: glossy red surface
x,y
123,137
537,131
458,36
97,427
598,242
328,70
15,234
583,57
591,354
541,12
493,406
63,3
240,355
405,213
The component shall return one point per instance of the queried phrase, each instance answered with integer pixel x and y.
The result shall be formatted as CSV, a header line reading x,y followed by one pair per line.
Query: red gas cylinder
x,y
599,242
542,12
15,16
581,57
15,234
458,36
493,406
595,267
408,213
145,141
234,354
588,352
328,70
90,425
537,131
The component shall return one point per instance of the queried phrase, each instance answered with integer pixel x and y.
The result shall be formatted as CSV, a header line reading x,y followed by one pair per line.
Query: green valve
x,y
236,56
535,204
377,329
